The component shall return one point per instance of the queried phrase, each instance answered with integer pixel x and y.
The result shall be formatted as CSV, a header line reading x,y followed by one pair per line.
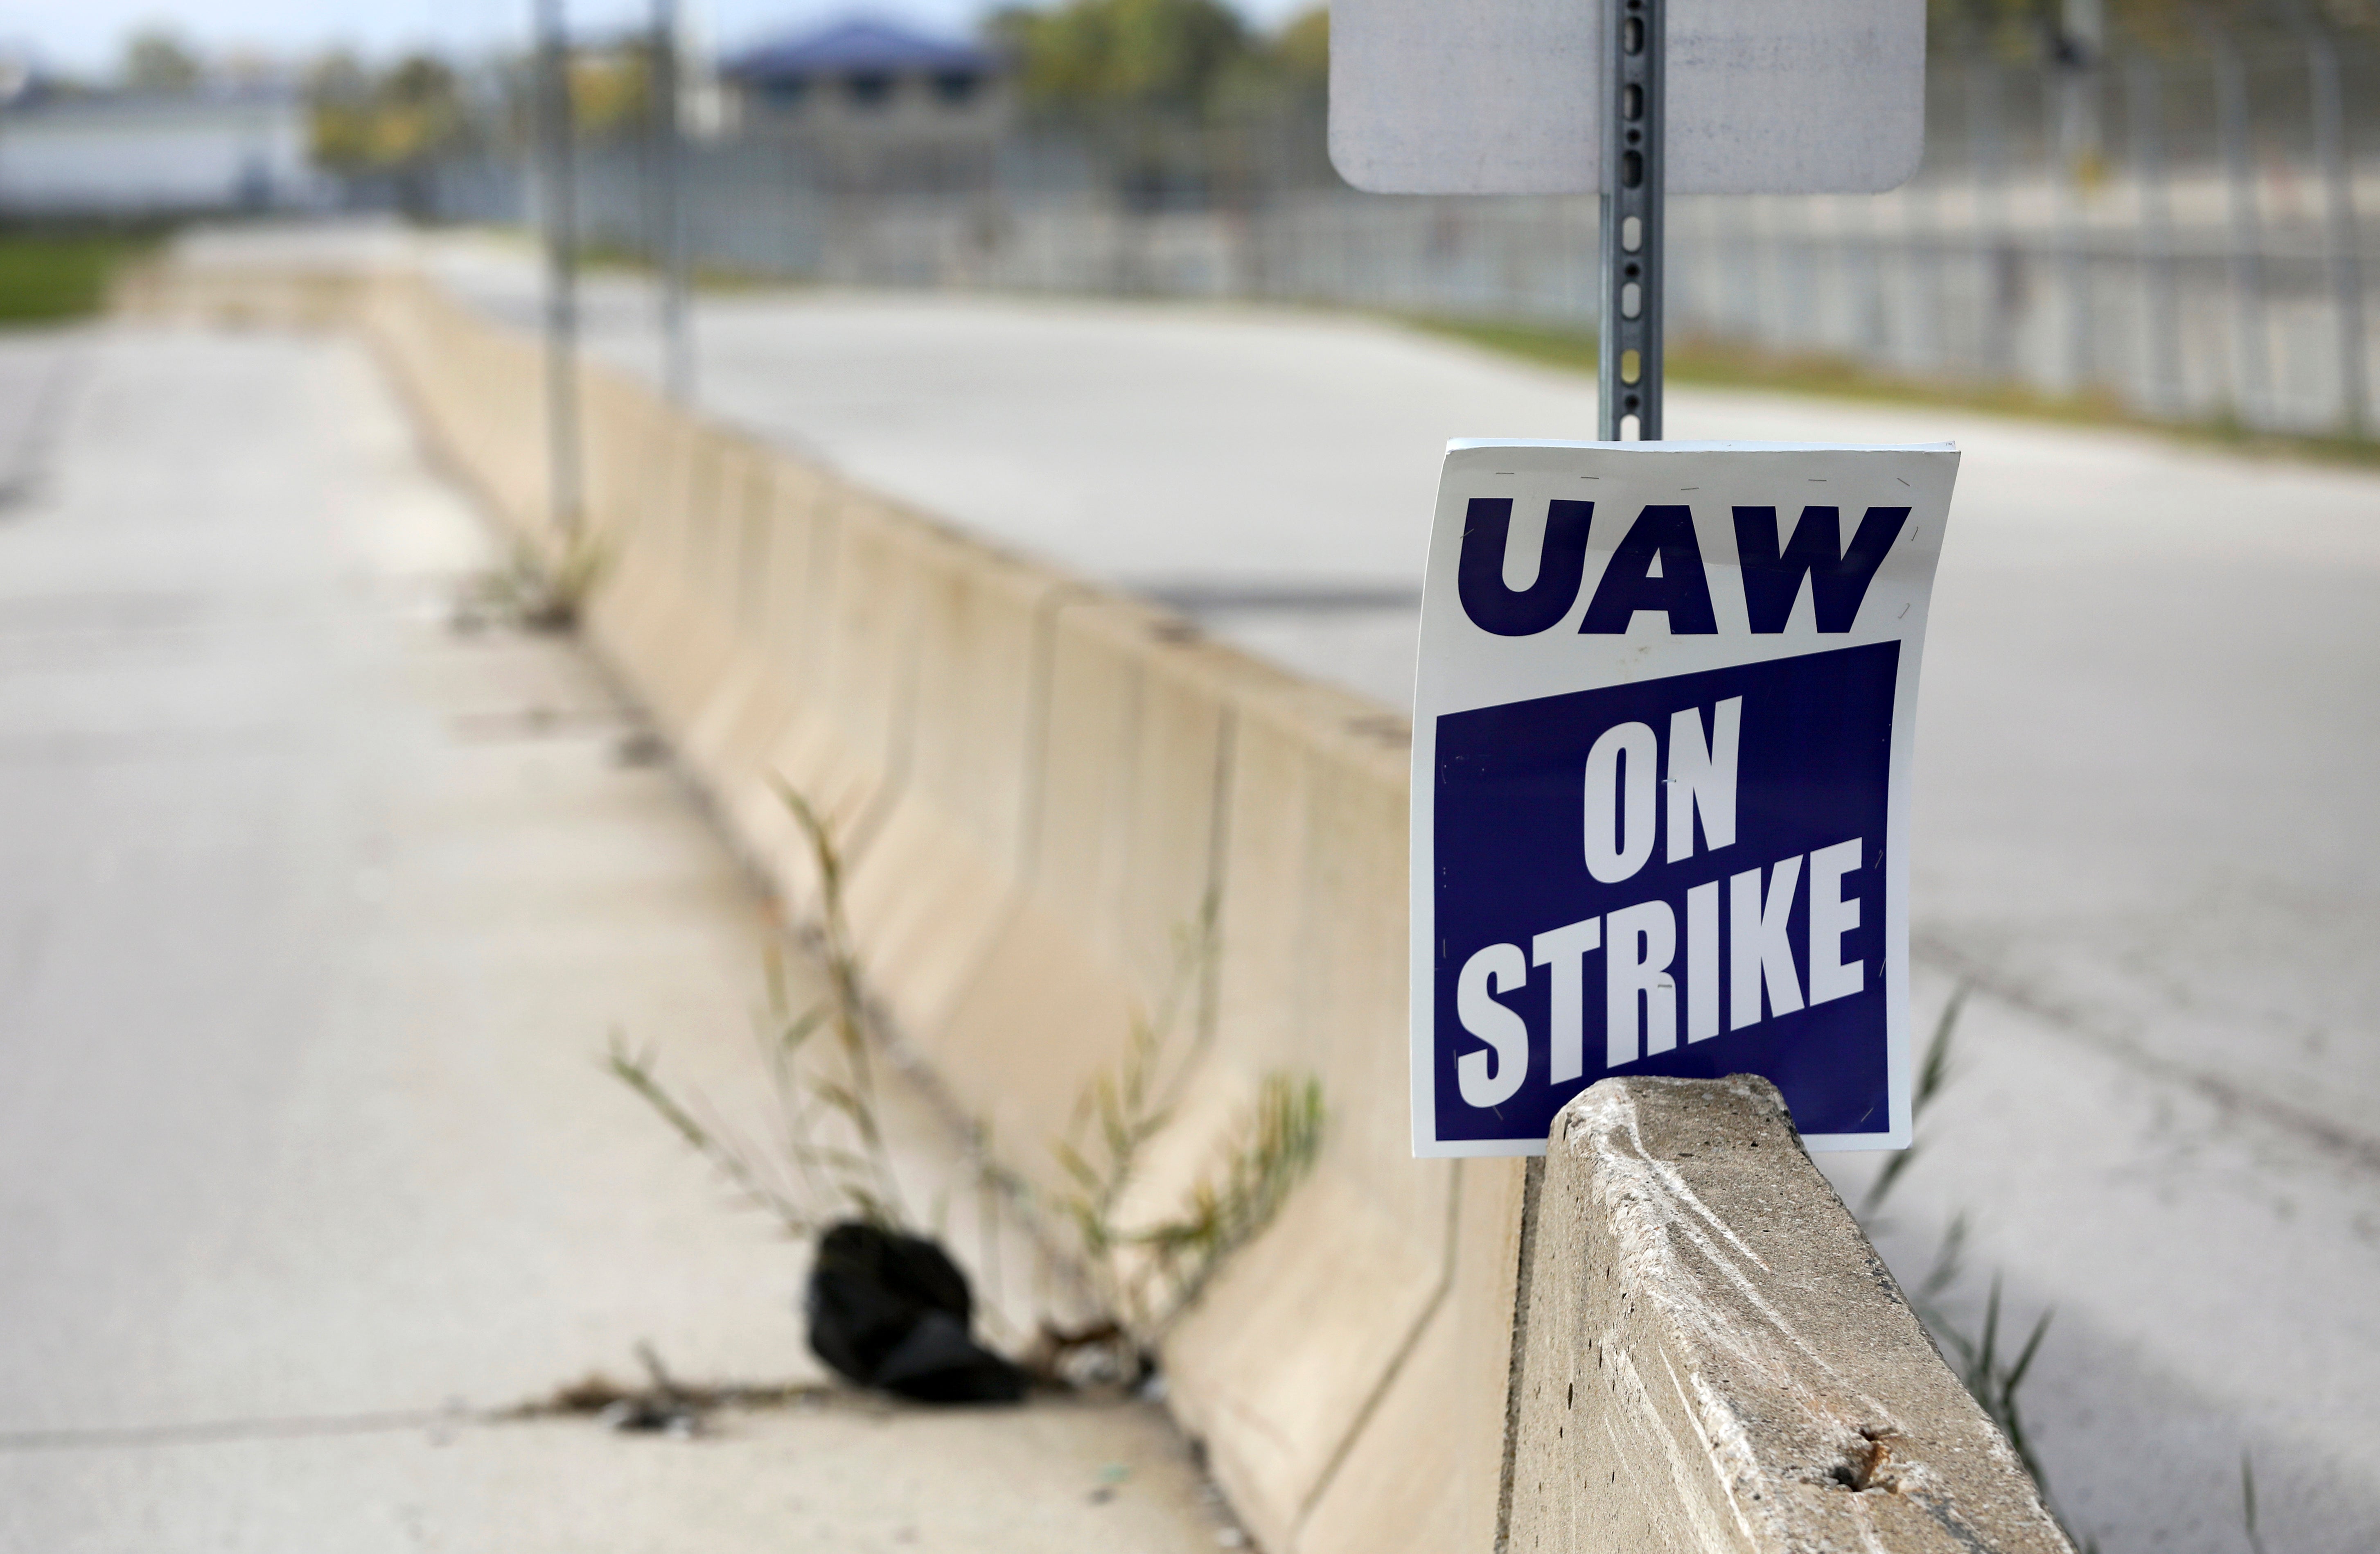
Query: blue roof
x,y
859,44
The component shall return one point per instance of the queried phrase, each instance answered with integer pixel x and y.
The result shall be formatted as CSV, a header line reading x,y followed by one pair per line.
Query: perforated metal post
x,y
1632,178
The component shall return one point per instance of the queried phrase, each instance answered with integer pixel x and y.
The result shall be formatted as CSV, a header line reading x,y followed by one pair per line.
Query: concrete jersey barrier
x,y
1716,1359
1043,792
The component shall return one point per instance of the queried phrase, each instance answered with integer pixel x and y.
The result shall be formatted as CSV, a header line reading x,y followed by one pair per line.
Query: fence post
x,y
2145,90
2074,138
562,495
1988,156
1929,348
668,210
2339,221
2252,343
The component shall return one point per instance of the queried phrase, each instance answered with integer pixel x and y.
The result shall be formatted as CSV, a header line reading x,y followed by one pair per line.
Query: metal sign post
x,y
1662,707
561,213
1633,100
668,207
1634,171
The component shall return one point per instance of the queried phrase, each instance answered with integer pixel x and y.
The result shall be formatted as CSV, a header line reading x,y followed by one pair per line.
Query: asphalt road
x,y
315,916
2147,739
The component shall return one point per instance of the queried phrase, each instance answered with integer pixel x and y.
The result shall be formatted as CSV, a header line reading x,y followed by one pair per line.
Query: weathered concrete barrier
x,y
1041,788
1715,1359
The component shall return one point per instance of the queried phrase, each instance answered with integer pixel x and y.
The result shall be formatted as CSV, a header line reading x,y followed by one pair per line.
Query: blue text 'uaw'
x,y
1657,566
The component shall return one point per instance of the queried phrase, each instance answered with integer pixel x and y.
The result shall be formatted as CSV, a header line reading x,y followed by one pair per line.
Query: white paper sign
x,y
1500,96
1663,726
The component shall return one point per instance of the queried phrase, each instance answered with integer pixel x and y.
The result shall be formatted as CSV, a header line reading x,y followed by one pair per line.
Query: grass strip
x,y
48,277
1718,365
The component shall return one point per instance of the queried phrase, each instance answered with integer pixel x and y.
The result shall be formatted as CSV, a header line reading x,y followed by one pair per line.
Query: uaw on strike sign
x,y
1662,735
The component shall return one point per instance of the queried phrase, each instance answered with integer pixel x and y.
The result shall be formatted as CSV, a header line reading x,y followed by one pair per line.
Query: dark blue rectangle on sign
x,y
1681,877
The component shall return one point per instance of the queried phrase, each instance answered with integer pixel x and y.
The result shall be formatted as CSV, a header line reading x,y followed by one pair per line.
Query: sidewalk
x,y
315,916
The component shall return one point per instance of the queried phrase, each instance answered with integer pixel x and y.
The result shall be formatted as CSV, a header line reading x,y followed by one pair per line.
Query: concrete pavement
x,y
36,374
2146,741
315,916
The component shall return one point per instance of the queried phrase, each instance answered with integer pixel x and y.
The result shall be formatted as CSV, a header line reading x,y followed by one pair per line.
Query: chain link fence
x,y
2172,231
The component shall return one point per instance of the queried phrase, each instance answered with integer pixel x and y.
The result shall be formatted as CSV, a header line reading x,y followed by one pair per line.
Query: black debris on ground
x,y
892,1312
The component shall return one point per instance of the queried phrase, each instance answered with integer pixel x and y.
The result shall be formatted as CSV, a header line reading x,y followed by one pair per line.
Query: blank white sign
x,y
1500,96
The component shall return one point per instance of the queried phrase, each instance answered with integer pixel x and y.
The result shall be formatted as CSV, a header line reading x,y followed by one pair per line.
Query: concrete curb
x,y
1722,1362
1041,788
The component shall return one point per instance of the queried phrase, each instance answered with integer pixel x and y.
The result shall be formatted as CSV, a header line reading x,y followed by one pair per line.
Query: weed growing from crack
x,y
1122,1111
814,1178
1151,1273
1993,1377
1933,1074
831,1162
1992,1374
1272,1147
533,594
2248,1504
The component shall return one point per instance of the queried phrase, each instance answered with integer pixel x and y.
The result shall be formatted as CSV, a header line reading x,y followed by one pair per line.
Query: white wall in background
x,y
131,155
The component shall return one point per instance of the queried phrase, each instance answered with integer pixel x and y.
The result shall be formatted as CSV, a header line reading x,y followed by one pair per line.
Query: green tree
x,y
1303,48
1287,72
1091,57
361,121
611,91
157,60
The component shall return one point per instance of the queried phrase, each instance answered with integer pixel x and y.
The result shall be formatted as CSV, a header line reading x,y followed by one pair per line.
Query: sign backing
x,y
1502,96
1663,728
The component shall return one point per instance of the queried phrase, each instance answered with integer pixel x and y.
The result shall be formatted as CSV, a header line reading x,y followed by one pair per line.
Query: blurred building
x,y
133,153
875,106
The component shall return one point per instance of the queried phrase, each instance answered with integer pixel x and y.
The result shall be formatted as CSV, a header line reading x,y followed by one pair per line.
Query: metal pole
x,y
2250,344
1865,254
2080,52
1922,208
562,499
2000,259
1634,173
669,208
2145,87
2072,80
2338,223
